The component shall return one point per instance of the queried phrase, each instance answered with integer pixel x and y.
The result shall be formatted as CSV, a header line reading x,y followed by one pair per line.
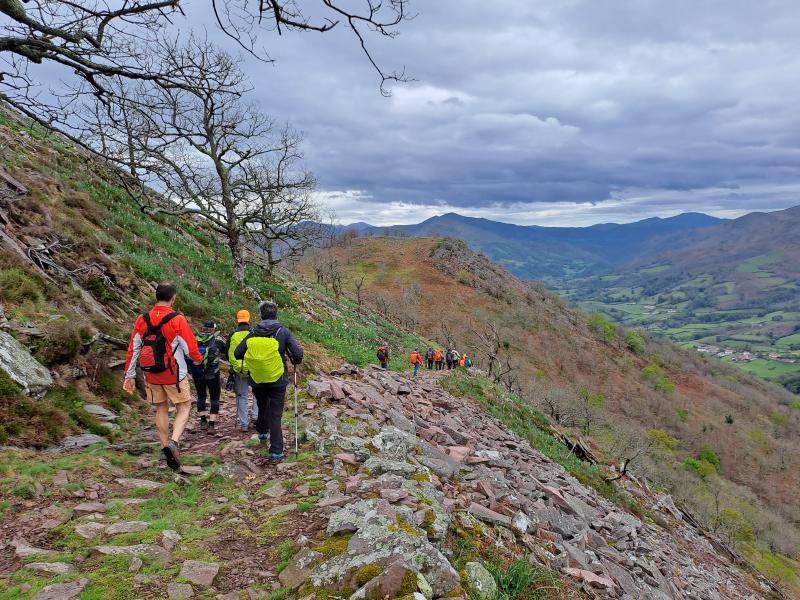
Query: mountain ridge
x,y
538,252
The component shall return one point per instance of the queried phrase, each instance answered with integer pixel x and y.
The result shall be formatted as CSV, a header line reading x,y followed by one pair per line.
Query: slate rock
x,y
388,584
23,549
87,508
100,412
488,515
54,568
126,527
299,568
89,531
23,369
233,471
75,442
319,389
199,572
479,581
170,539
145,484
192,470
62,591
179,590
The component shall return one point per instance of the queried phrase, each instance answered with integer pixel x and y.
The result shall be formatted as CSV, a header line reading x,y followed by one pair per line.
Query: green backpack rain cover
x,y
263,359
238,366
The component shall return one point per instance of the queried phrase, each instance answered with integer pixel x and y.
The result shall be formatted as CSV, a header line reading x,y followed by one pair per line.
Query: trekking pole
x,y
296,451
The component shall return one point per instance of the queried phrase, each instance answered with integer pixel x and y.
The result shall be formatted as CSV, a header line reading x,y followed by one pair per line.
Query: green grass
x,y
522,581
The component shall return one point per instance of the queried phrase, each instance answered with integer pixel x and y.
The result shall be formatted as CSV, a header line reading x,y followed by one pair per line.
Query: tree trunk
x,y
237,254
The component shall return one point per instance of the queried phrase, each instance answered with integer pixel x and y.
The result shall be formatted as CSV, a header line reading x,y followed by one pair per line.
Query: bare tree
x,y
98,41
628,449
447,333
383,305
358,284
211,154
487,337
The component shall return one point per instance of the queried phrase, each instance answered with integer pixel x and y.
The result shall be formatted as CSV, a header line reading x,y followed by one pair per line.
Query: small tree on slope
x,y
211,154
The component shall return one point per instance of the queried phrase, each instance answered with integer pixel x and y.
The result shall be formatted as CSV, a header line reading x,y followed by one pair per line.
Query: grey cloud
x,y
670,105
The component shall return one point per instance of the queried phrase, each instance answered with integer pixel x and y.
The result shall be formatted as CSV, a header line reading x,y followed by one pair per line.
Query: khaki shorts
x,y
158,394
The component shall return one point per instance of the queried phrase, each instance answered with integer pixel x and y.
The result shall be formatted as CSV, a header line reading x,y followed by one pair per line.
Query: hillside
x,y
444,487
729,290
582,373
553,253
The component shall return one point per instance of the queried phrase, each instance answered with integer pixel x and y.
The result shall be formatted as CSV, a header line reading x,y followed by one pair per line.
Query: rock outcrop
x,y
415,463
22,368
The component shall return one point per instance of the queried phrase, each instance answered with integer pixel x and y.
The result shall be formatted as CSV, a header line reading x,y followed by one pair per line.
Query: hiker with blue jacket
x,y
206,374
265,351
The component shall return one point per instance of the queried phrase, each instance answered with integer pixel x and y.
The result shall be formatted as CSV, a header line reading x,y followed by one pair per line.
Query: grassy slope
x,y
559,355
136,249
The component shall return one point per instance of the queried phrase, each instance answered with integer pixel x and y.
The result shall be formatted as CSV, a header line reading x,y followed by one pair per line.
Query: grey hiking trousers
x,y
241,385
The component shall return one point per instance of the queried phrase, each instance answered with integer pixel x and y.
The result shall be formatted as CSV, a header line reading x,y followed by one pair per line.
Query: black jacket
x,y
287,346
209,368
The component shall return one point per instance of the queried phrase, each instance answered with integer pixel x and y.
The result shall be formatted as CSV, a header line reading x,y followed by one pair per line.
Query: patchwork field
x,y
748,314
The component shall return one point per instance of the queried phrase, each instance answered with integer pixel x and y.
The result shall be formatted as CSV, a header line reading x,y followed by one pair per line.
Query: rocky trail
x,y
400,489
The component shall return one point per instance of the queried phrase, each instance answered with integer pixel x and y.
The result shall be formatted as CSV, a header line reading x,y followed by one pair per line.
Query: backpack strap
x,y
168,318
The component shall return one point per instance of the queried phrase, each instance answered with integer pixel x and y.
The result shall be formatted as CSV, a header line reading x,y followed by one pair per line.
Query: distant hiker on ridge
x,y
161,342
448,359
429,359
383,355
438,359
456,359
241,378
415,358
206,374
264,352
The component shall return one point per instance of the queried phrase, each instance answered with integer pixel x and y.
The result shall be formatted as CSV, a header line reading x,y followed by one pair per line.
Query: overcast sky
x,y
552,112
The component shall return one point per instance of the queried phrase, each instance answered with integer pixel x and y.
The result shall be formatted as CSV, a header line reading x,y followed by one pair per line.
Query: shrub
x,y
665,386
62,341
602,327
682,414
702,468
708,455
778,419
661,439
729,419
18,286
657,377
24,490
635,342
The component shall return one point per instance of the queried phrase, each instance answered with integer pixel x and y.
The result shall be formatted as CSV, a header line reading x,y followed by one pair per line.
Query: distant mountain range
x,y
553,253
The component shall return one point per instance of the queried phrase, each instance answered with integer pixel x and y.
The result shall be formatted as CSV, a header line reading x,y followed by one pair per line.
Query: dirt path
x,y
231,507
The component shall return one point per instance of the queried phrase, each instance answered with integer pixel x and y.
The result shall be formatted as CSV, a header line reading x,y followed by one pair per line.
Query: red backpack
x,y
155,356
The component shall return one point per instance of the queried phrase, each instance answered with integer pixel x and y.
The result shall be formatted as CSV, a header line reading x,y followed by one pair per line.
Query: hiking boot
x,y
244,429
172,455
212,427
162,456
203,422
276,458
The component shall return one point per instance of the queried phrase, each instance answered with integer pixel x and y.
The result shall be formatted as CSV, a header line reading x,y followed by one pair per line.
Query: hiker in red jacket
x,y
161,345
416,361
